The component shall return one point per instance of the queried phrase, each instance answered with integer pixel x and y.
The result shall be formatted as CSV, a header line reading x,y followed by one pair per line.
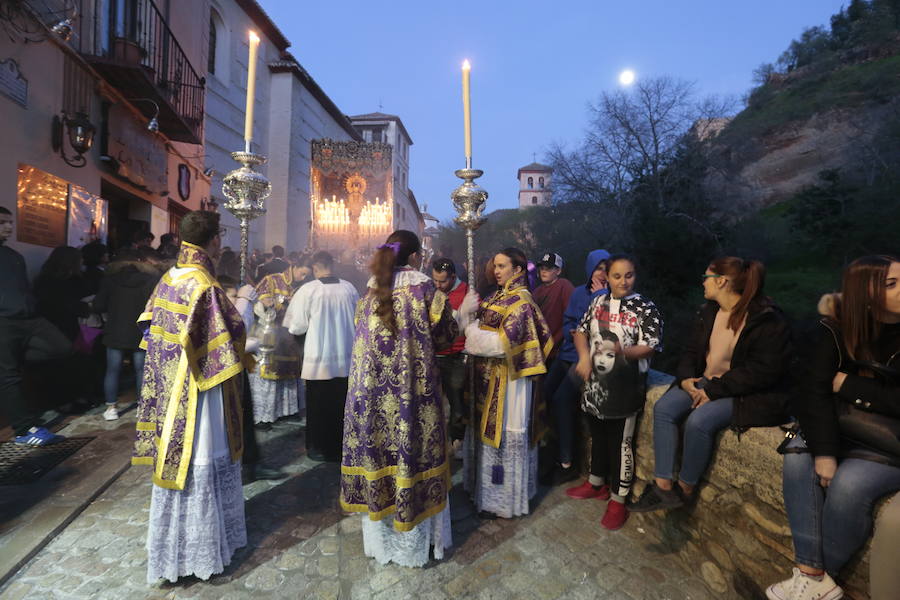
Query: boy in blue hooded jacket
x,y
560,388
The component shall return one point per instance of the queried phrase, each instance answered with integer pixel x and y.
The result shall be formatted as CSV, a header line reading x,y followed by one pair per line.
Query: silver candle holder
x,y
469,200
246,191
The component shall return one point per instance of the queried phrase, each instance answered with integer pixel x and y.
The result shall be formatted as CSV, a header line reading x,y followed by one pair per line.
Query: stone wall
x,y
737,535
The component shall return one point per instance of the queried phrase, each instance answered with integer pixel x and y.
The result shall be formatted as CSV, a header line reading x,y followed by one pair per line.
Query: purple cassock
x,y
395,435
194,340
285,361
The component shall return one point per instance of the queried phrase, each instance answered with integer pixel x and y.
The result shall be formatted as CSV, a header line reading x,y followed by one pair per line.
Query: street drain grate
x,y
24,464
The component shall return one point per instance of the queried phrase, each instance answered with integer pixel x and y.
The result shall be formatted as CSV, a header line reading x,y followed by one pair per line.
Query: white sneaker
x,y
803,587
111,413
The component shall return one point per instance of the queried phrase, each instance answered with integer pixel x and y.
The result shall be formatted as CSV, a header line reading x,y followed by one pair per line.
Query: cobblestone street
x,y
302,546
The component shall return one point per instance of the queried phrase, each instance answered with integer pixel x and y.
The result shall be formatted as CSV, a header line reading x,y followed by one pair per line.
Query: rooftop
x,y
380,116
535,168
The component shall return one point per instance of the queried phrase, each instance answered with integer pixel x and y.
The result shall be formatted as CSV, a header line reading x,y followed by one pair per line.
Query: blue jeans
x,y
114,358
830,524
562,394
700,429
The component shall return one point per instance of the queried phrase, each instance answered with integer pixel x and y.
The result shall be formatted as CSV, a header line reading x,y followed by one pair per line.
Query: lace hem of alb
x,y
195,531
519,460
407,548
275,398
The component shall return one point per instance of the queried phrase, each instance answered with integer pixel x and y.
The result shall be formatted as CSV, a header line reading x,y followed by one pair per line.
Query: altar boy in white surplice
x,y
323,310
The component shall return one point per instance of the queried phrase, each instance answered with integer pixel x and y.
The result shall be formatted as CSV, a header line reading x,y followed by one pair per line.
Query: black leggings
x,y
612,452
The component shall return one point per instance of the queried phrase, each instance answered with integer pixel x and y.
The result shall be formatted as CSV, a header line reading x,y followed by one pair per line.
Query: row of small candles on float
x,y
333,216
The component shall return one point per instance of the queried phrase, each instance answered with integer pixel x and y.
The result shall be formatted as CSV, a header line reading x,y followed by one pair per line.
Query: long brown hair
x,y
861,309
747,278
387,258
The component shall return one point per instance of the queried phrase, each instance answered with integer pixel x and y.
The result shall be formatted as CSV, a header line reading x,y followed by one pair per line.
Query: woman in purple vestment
x,y
395,465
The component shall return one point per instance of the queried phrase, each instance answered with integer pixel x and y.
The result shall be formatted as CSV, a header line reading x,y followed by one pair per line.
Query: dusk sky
x,y
535,66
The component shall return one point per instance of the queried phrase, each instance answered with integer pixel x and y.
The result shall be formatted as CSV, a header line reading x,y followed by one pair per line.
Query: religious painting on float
x,y
352,197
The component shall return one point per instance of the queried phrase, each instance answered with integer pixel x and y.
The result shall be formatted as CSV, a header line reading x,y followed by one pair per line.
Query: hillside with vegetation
x,y
805,176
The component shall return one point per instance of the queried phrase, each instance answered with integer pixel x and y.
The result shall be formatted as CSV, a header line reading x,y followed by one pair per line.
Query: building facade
x,y
162,87
104,109
291,111
389,129
534,185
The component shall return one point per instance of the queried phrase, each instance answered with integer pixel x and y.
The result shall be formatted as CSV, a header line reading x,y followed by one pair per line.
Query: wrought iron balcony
x,y
136,52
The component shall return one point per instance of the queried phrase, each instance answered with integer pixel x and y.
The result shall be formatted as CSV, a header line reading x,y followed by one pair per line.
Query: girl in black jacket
x,y
128,283
835,472
734,372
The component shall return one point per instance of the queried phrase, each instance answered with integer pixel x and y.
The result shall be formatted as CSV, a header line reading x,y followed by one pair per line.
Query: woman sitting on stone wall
x,y
848,453
732,373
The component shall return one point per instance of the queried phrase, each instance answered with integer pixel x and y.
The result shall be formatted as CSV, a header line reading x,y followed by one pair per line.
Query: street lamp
x,y
80,132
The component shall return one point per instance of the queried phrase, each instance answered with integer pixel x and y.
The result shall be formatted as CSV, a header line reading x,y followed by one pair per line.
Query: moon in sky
x,y
626,77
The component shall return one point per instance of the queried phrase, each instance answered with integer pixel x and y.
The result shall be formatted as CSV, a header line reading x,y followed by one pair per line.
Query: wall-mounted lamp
x,y
81,137
153,124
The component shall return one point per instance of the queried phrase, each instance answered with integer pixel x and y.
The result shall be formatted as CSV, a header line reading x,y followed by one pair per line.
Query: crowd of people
x,y
398,379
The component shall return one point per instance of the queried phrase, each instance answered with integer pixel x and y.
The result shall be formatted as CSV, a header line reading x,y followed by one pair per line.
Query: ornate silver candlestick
x,y
246,191
469,200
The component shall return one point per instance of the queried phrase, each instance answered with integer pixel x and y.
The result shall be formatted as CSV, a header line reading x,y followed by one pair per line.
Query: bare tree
x,y
632,137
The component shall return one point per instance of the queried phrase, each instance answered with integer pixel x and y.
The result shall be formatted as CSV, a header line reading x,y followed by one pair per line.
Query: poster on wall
x,y
87,217
41,207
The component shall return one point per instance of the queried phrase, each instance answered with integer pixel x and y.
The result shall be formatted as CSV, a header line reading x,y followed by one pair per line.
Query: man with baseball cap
x,y
552,295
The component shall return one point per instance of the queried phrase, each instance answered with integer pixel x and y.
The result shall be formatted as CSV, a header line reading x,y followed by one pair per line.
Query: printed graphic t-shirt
x,y
616,386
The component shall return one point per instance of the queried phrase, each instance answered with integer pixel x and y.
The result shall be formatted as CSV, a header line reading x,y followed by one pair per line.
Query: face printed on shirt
x,y
603,357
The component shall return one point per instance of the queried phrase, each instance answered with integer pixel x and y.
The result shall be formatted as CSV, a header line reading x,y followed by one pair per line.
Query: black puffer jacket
x,y
123,294
759,376
817,405
59,301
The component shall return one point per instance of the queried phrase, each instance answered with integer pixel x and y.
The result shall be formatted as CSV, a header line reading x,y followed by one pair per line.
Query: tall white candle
x,y
251,90
467,108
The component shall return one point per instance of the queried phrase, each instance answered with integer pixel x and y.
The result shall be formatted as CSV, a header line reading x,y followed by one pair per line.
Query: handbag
x,y
86,340
871,430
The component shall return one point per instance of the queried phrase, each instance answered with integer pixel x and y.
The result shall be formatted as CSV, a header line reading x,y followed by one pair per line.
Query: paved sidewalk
x,y
32,514
302,546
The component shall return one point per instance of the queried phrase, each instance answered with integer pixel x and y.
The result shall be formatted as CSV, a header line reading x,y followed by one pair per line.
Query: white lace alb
x,y
275,398
407,548
195,531
520,464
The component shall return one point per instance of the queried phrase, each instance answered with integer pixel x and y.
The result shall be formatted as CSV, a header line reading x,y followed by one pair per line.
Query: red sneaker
x,y
615,516
586,490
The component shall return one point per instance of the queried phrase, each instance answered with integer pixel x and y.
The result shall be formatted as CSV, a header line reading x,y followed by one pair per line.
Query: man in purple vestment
x,y
189,413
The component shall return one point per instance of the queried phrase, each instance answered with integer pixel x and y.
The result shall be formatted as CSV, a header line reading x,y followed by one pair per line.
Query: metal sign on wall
x,y
141,156
41,202
12,84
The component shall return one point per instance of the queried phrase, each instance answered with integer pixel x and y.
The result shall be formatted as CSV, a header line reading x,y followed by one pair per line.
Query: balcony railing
x,y
134,49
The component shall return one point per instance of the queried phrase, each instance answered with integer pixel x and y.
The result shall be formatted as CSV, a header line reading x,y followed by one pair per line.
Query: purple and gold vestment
x,y
395,438
194,340
286,360
527,342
